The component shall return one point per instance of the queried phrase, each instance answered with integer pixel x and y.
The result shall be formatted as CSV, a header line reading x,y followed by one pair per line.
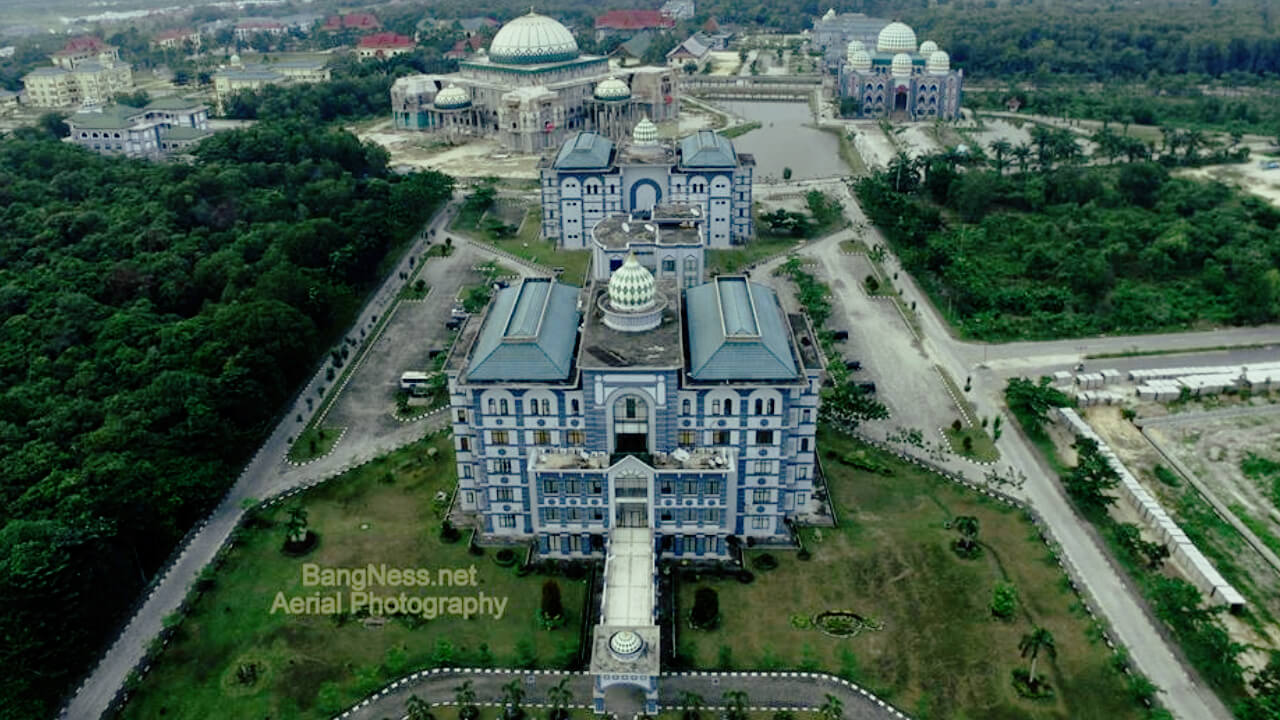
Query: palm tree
x,y
1001,149
736,700
1022,153
692,703
513,693
559,695
1032,643
1193,140
832,708
466,699
417,709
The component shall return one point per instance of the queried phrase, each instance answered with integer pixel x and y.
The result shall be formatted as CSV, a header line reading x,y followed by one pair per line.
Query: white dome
x,y
896,37
853,47
901,66
532,39
645,132
625,643
860,61
452,98
939,63
631,286
612,88
928,47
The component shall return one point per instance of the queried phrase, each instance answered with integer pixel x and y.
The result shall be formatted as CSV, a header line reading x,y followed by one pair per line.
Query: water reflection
x,y
786,138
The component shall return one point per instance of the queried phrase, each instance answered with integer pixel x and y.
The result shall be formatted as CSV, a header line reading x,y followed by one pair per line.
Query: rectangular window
x,y
759,523
687,438
669,265
802,472
548,486
541,437
462,415
715,407
595,487
720,437
713,487
497,437
759,496
551,514
468,498
507,521
501,466
466,471
801,499
464,444
597,514
493,406
804,444
806,415
573,487
503,494
502,407
764,437
577,438
665,487
533,407
690,487
573,405
711,515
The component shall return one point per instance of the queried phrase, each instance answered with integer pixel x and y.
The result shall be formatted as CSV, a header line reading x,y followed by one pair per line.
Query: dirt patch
x,y
477,158
1250,177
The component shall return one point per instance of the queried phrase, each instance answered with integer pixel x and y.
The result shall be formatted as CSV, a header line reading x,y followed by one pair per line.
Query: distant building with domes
x,y
592,178
833,31
898,79
532,90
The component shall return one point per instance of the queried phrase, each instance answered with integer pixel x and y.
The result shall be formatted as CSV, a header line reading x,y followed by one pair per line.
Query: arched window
x,y
759,406
630,424
493,406
686,407
728,407
502,407
770,406
533,406
546,406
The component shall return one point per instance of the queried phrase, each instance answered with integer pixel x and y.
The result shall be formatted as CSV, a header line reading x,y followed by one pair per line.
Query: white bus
x,y
415,382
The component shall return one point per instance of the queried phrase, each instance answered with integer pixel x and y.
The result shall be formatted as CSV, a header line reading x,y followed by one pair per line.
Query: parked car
x,y
454,323
840,335
867,387
853,365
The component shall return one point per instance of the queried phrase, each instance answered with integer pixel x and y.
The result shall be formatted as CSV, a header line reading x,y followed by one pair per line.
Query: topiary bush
x,y
706,609
765,562
506,557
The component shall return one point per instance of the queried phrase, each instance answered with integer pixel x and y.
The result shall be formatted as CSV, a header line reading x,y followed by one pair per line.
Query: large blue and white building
x,y
900,79
685,409
592,178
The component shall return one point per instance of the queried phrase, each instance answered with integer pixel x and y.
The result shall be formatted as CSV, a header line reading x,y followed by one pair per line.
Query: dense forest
x,y
1065,250
153,319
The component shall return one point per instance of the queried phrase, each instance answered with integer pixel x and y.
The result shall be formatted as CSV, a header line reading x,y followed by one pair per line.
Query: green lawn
x,y
939,653
982,447
314,442
313,666
528,244
761,246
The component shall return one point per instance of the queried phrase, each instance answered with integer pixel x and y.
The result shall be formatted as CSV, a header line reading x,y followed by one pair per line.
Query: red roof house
x,y
628,20
387,44
351,21
465,47
81,45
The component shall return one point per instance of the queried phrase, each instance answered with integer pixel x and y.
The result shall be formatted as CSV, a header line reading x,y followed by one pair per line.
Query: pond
x,y
786,138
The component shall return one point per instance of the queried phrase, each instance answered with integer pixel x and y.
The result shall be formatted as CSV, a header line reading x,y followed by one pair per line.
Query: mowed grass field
x,y
940,653
313,666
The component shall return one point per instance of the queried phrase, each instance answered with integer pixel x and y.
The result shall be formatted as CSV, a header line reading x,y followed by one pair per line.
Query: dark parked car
x,y
852,364
840,335
454,323
867,387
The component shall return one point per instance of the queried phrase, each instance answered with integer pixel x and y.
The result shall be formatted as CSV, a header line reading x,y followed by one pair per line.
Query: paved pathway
x,y
795,691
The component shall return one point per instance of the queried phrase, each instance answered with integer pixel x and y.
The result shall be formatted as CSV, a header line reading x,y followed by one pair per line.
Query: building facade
x,y
164,127
689,412
899,79
381,46
85,72
833,32
254,76
532,90
592,178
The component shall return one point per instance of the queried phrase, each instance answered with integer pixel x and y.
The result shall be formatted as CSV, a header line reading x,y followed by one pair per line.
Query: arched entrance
x,y
900,99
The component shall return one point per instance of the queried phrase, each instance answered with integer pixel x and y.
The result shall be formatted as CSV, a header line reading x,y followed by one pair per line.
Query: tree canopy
x,y
154,318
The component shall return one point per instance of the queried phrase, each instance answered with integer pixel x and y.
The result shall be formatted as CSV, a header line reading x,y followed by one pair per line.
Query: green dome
x,y
452,98
612,88
631,287
532,39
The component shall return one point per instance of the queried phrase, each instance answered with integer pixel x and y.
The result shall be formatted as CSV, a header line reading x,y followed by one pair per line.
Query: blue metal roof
x,y
585,151
707,149
737,331
528,334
